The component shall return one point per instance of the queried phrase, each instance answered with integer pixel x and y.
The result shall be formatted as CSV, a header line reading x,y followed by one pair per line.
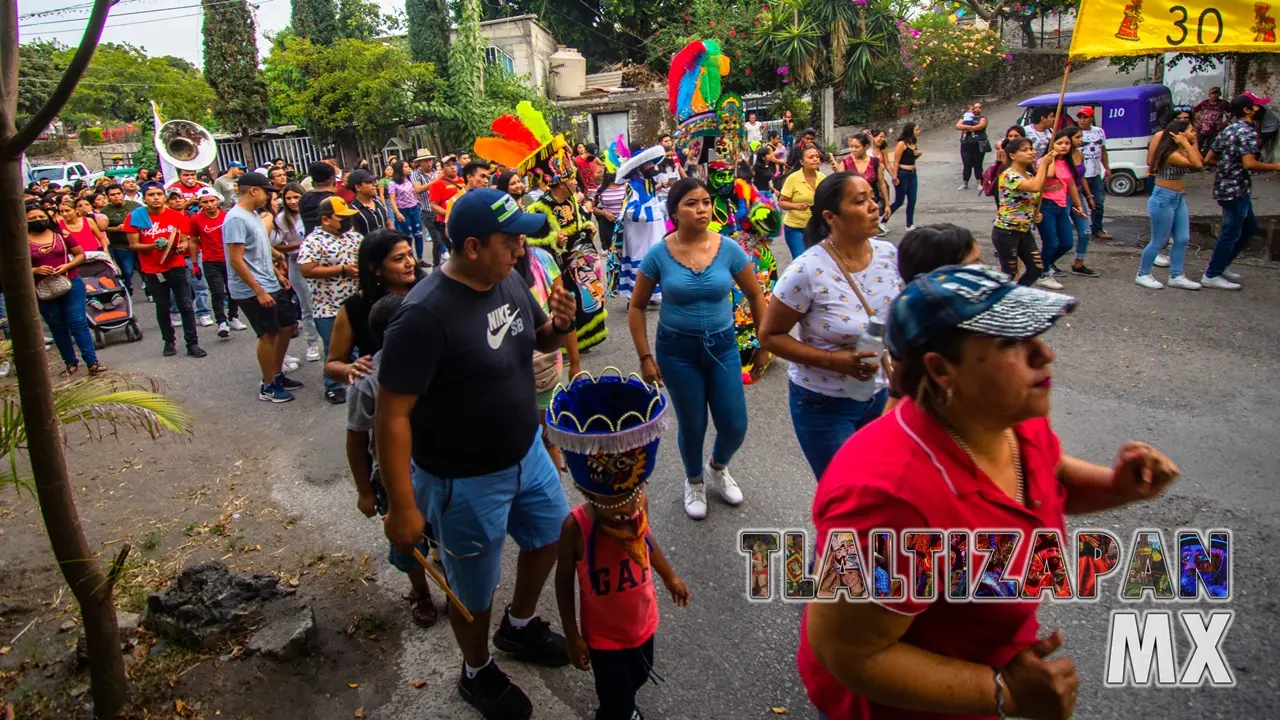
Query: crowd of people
x,y
435,284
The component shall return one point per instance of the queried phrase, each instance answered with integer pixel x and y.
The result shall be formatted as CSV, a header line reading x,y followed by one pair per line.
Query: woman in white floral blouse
x,y
834,389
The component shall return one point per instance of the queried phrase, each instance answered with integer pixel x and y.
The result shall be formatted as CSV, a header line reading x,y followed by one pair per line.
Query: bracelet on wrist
x,y
646,356
1000,713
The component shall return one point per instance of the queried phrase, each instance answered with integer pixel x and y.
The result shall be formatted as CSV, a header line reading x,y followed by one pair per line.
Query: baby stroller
x,y
107,303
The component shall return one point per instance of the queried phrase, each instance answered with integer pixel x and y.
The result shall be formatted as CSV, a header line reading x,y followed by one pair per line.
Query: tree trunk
x,y
246,146
88,583
1028,33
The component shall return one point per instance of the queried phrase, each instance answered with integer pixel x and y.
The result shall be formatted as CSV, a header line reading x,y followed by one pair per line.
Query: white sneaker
x,y
204,321
729,489
291,360
1218,283
695,499
965,186
1232,276
884,229
910,228
1148,282
237,325
224,331
1162,260
313,352
1049,283
289,367
1182,283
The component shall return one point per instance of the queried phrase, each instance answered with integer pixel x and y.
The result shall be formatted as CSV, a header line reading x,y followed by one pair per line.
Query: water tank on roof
x,y
570,68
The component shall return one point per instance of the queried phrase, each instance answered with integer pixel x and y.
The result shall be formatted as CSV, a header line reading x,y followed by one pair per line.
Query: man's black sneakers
x,y
494,695
535,642
170,349
196,351
336,396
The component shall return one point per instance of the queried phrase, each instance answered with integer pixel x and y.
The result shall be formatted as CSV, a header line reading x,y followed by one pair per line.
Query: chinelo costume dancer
x,y
524,141
644,214
739,210
606,547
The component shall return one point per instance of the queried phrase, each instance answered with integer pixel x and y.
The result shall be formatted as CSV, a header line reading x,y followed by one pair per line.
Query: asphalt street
x,y
1191,372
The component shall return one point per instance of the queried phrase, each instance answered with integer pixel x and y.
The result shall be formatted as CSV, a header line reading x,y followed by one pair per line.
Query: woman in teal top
x,y
697,352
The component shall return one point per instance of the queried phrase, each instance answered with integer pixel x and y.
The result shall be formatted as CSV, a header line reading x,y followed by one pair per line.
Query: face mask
x,y
347,224
35,227
650,172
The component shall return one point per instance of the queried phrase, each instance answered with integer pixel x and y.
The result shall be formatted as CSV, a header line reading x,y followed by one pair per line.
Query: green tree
x,y
118,85
466,72
38,75
734,24
349,85
316,20
1023,14
364,20
428,29
231,67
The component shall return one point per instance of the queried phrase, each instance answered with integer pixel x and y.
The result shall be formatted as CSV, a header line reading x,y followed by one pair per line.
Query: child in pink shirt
x,y
605,546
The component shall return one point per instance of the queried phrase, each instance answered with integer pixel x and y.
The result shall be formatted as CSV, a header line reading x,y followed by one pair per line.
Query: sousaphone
x,y
185,145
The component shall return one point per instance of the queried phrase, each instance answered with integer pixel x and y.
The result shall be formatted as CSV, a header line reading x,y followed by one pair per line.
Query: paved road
x,y
1191,372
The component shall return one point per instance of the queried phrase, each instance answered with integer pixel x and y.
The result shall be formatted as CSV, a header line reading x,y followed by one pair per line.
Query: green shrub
x,y
91,136
950,63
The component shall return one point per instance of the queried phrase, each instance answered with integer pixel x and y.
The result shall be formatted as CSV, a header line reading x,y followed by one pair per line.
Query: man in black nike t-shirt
x,y
458,437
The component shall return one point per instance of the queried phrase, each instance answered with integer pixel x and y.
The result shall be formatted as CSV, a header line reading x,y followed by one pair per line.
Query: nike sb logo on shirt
x,y
500,320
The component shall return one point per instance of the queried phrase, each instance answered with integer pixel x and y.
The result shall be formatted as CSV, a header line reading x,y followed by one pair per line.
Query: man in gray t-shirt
x,y
226,184
257,287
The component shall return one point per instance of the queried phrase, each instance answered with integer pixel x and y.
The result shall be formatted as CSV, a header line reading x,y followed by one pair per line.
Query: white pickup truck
x,y
64,174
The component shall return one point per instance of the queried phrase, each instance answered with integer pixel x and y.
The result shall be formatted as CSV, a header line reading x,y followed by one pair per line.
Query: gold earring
x,y
950,394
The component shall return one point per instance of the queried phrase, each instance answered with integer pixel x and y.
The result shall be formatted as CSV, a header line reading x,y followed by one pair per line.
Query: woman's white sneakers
x,y
729,490
1177,281
1161,260
695,499
1148,282
1047,282
695,494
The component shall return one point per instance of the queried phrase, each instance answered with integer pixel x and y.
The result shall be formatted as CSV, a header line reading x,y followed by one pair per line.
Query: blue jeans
x,y
823,423
1055,232
1238,226
472,516
795,240
1168,210
702,372
66,320
127,261
1083,233
1098,188
412,226
199,288
324,328
905,191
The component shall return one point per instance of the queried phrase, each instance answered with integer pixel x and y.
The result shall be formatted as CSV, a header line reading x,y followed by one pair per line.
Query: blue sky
x,y
161,27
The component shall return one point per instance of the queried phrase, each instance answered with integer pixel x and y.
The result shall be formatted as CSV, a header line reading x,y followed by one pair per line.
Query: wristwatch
x,y
563,331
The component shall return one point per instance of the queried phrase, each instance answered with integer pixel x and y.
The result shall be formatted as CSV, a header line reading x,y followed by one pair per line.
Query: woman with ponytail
x,y
833,291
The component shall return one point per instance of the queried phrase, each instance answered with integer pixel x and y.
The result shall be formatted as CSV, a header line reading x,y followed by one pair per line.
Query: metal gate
x,y
300,151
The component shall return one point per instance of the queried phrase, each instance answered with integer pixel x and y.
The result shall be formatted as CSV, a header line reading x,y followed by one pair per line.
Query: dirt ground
x,y
176,503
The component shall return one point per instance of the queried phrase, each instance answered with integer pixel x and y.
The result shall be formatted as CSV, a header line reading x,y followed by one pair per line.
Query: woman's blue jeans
x,y
703,372
412,226
1055,232
127,261
906,189
1168,210
823,423
1083,233
66,320
795,240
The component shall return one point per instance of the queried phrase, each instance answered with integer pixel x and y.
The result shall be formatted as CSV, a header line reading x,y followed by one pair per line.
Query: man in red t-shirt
x,y
439,192
206,228
158,234
188,185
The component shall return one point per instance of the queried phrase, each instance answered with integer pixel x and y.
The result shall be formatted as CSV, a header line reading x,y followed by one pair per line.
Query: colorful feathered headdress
x,y
522,141
617,154
693,83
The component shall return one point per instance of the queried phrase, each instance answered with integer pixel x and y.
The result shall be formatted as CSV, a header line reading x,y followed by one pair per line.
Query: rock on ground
x,y
289,634
207,605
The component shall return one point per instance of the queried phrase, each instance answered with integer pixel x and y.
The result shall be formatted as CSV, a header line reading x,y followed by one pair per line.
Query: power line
x,y
119,25
137,12
71,8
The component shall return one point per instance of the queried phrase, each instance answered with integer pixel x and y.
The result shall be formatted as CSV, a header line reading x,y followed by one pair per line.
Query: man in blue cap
x,y
226,183
458,437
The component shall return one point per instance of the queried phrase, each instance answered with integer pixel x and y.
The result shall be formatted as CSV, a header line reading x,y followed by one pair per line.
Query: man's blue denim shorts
x,y
472,517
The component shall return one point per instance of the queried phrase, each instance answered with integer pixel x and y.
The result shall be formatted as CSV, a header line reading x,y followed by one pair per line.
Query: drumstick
x,y
173,236
442,584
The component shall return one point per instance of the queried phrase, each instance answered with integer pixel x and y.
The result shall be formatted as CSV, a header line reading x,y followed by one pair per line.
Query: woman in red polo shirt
x,y
971,448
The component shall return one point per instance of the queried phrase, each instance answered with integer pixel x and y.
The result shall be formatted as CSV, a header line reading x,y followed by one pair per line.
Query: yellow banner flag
x,y
1111,28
